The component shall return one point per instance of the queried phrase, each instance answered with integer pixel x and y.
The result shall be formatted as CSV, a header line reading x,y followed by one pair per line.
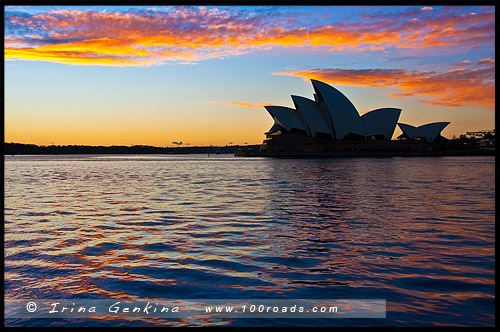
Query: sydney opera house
x,y
330,125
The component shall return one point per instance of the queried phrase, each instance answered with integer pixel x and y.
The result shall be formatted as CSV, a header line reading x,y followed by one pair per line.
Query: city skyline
x,y
201,75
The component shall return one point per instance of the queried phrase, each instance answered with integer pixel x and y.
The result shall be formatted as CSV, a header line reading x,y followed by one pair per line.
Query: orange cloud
x,y
242,103
68,57
453,88
190,34
103,51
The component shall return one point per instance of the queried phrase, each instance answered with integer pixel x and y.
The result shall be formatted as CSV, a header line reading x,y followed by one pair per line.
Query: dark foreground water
x,y
416,232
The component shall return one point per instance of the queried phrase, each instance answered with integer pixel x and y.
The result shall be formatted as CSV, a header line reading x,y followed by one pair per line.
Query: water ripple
x,y
418,232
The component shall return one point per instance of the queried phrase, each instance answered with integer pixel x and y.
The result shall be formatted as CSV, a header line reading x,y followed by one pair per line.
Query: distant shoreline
x,y
33,149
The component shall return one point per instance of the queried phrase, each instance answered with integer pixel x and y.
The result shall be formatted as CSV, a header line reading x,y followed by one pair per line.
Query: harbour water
x,y
416,232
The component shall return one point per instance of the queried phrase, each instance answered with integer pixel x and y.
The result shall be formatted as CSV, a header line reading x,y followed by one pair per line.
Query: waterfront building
x,y
330,125
331,115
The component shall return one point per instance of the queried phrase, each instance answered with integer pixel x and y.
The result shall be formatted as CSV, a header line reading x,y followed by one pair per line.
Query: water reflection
x,y
418,232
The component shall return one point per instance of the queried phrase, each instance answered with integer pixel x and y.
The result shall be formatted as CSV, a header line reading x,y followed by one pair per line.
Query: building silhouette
x,y
331,115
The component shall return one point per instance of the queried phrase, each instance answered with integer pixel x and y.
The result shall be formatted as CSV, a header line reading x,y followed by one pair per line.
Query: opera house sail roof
x,y
313,116
429,131
332,115
342,112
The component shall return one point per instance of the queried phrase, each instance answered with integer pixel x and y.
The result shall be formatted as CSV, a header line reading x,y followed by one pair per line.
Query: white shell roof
x,y
312,115
364,128
286,117
383,119
343,113
409,130
429,131
276,127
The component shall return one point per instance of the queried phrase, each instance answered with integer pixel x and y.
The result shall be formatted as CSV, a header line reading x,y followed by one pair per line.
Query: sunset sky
x,y
200,75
